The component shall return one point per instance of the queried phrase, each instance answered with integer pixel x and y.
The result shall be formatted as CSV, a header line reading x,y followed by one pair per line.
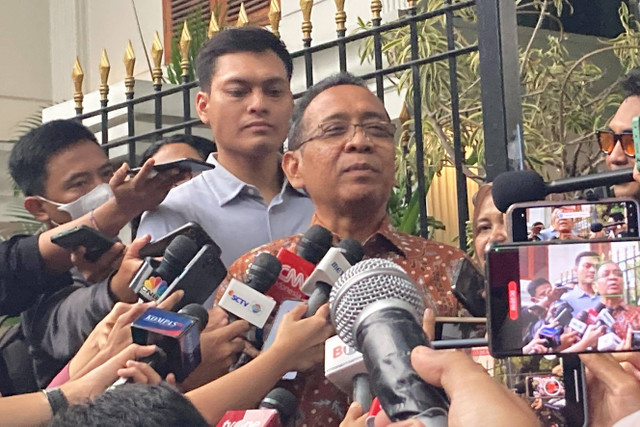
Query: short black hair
x,y
32,152
133,405
234,40
631,83
294,139
202,145
535,284
586,254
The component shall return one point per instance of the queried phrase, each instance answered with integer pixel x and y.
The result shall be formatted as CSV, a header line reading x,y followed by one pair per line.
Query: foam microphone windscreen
x,y
314,243
283,401
516,187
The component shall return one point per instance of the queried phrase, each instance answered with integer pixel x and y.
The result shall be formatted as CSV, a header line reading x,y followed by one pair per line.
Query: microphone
x,y
579,322
596,227
527,186
376,308
312,246
153,278
344,367
276,409
177,334
283,401
337,260
247,300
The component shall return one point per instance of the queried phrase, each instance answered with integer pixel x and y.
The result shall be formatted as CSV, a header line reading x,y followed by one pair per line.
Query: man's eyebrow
x,y
336,116
374,115
75,176
268,81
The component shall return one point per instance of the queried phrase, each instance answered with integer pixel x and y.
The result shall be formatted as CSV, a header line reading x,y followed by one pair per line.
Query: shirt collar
x,y
386,235
226,186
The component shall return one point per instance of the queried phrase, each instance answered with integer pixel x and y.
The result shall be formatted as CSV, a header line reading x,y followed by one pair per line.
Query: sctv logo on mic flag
x,y
255,307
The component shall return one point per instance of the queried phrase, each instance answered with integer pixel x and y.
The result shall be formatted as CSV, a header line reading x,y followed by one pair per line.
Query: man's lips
x,y
356,167
258,124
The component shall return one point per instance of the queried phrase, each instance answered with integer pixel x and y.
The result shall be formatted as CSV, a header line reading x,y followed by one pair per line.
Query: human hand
x,y
589,339
429,323
625,344
536,346
354,416
100,269
97,380
131,262
146,190
220,344
143,373
568,338
473,393
299,342
113,334
612,392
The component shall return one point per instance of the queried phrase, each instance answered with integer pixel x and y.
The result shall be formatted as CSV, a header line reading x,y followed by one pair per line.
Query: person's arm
x,y
23,276
298,346
131,198
34,408
473,393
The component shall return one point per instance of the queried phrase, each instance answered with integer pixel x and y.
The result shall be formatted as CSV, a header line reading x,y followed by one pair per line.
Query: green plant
x,y
562,104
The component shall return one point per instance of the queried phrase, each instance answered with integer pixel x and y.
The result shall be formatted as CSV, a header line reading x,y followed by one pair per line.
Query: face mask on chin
x,y
86,203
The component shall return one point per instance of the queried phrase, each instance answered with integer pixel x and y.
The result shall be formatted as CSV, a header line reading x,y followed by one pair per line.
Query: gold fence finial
x,y
305,8
412,3
104,68
77,75
275,14
214,28
341,15
376,8
129,64
156,55
243,18
185,42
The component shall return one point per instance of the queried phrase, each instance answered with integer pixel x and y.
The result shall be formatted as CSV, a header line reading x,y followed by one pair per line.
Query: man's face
x,y
536,229
344,173
586,270
249,103
622,121
71,173
560,222
610,280
541,292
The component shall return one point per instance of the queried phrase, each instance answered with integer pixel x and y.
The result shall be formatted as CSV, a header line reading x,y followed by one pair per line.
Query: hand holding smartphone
x,y
94,241
184,165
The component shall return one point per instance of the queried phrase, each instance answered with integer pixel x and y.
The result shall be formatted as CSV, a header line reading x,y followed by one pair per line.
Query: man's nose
x,y
359,142
617,155
257,102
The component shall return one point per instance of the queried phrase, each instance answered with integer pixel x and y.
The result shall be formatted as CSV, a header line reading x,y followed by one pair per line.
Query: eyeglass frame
x,y
617,137
322,133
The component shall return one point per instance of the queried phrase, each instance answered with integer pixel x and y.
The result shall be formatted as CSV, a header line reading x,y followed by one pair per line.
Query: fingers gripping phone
x,y
94,241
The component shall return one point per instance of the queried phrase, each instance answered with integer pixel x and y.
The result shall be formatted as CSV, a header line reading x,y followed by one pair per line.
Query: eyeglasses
x,y
607,140
340,130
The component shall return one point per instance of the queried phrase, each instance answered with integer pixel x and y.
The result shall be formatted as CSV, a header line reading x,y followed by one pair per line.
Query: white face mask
x,y
85,204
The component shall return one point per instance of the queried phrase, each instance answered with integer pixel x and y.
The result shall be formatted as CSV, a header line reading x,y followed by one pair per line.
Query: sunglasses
x,y
607,140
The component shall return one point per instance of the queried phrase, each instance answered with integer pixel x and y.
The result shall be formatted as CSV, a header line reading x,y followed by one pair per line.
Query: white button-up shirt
x,y
232,212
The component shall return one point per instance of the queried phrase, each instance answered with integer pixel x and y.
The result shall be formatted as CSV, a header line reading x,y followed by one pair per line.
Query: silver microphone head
x,y
363,284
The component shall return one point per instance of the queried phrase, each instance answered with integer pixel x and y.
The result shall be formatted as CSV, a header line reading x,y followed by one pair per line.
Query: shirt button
x,y
251,192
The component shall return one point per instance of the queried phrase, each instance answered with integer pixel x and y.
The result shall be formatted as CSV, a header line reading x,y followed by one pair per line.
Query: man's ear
x,y
291,161
35,206
202,106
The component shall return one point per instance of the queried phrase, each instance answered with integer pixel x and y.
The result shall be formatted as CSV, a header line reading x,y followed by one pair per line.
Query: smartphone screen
x,y
587,303
579,219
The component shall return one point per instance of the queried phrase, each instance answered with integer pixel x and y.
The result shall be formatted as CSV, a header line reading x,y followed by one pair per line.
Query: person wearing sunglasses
x,y
616,141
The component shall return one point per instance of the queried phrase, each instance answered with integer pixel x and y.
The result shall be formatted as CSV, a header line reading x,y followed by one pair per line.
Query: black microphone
x,y
527,186
247,300
376,308
153,278
348,252
177,334
596,227
283,401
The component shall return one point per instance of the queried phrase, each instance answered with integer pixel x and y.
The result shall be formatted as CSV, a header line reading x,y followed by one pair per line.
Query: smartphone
x,y
190,229
456,328
515,329
468,287
605,218
185,165
94,241
544,386
635,128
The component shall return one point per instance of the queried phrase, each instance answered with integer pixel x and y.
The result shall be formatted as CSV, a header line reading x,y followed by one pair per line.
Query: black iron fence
x,y
497,40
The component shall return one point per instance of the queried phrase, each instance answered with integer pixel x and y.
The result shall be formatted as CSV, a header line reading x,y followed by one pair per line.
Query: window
x,y
175,12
